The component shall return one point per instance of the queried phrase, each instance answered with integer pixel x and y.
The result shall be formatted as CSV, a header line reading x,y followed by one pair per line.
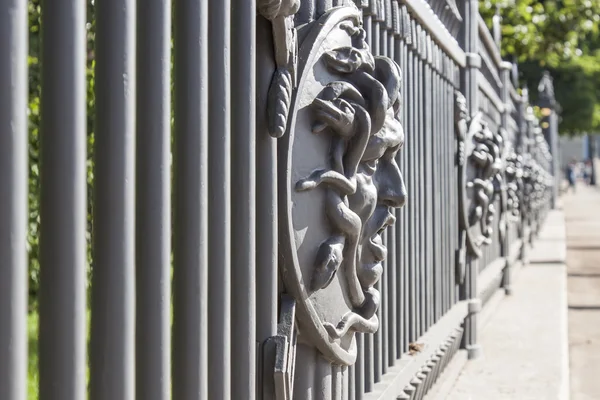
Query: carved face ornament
x,y
345,183
480,166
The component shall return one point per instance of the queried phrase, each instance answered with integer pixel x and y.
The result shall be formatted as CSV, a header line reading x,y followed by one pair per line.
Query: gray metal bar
x,y
470,39
420,10
449,182
349,382
397,281
322,6
243,182
446,212
266,194
505,247
153,201
13,199
190,211
412,239
336,382
368,371
403,231
369,357
304,382
392,286
374,42
450,211
323,385
453,190
113,286
219,217
392,290
359,367
344,387
418,168
428,216
63,210
438,188
447,123
385,295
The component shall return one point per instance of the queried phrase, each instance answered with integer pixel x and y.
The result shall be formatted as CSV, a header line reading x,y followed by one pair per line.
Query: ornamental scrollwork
x,y
480,173
285,43
342,182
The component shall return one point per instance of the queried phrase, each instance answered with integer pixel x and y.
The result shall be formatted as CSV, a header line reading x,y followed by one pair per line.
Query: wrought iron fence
x,y
334,192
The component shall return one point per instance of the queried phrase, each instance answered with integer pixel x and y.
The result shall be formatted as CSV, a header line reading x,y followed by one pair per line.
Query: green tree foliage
x,y
561,36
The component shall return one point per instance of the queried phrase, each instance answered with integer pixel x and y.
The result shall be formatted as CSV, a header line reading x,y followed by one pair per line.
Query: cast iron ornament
x,y
339,182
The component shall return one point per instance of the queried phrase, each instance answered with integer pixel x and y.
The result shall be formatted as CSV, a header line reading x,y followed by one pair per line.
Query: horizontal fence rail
x,y
265,199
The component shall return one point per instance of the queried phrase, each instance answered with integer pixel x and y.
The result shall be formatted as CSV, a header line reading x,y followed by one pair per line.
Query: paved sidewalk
x,y
524,344
582,212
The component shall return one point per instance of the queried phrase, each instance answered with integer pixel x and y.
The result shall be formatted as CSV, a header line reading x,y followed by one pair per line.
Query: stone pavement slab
x,y
582,212
524,345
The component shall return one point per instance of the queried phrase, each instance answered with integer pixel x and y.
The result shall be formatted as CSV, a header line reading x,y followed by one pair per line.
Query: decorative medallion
x,y
339,182
514,185
480,169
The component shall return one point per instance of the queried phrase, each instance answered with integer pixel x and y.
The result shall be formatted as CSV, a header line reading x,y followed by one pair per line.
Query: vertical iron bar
x,y
451,233
243,181
219,217
448,180
391,289
13,199
397,282
266,192
449,210
322,380
505,69
403,314
419,186
383,312
428,161
304,384
369,356
349,382
443,177
190,200
359,367
438,189
63,209
113,287
413,128
153,201
470,39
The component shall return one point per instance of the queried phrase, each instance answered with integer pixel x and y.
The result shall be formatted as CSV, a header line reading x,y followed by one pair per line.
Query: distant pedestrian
x,y
587,172
571,175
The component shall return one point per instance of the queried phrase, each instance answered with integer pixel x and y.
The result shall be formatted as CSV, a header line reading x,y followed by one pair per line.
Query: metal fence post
x,y
63,210
153,201
13,199
549,123
521,149
190,201
469,86
112,348
506,68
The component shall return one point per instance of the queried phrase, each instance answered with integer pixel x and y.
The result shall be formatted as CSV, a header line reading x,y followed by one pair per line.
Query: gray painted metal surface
x,y
348,183
63,206
190,201
13,197
153,201
112,336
